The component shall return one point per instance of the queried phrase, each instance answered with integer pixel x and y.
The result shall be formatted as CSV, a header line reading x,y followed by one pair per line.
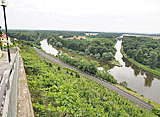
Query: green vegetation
x,y
156,111
124,84
58,91
101,48
1,45
143,50
145,67
30,35
0,39
90,67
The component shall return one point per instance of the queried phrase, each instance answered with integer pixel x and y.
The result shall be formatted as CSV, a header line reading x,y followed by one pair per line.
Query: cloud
x,y
101,15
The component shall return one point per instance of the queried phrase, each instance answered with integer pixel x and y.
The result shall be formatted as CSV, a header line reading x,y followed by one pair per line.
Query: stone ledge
x,y
0,52
24,104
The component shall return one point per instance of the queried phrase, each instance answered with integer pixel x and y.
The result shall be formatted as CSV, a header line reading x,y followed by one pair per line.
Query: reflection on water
x,y
140,71
148,79
139,80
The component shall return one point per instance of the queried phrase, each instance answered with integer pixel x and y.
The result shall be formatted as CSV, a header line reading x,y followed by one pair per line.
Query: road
x,y
109,86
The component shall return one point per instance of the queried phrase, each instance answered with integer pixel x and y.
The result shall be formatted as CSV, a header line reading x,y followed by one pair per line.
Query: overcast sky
x,y
140,16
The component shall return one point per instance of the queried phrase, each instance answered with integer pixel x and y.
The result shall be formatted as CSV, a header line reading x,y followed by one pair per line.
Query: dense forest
x,y
143,50
58,91
29,35
98,47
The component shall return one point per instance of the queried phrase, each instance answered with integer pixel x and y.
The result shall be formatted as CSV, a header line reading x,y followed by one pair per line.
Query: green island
x,y
143,52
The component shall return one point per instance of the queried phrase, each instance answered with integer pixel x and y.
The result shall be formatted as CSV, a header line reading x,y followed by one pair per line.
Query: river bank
x,y
146,68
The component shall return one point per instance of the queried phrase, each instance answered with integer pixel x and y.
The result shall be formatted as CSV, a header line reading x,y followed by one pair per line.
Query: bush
x,y
59,68
156,111
59,44
81,53
124,84
70,50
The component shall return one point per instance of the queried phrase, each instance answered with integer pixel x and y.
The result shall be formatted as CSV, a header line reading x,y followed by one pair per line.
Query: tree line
x,y
88,66
100,48
143,50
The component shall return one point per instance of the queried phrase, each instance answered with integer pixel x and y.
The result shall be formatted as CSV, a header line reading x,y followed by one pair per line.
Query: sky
x,y
135,16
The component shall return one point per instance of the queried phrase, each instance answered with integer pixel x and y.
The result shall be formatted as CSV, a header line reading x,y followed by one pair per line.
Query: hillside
x,y
58,91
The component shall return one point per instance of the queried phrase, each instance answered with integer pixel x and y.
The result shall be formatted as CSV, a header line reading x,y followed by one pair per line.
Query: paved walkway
x,y
4,62
24,104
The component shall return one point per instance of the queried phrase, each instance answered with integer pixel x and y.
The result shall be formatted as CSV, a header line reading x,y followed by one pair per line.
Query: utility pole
x,y
4,4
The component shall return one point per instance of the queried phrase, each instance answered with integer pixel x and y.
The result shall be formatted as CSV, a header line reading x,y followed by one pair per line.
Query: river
x,y
144,83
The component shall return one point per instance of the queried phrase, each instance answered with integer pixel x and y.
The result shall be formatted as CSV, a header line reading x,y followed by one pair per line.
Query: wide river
x,y
144,83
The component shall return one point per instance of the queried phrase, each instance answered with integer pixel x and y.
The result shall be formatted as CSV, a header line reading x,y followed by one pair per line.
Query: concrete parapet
x,y
0,52
24,104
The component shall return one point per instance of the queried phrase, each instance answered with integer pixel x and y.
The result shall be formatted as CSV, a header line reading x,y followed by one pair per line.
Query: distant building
x,y
89,34
77,37
61,36
3,39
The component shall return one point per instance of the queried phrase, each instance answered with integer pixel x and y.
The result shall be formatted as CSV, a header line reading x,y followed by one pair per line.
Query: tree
x,y
87,52
124,83
107,56
59,44
153,59
92,49
0,44
106,68
93,66
139,56
81,53
70,50
97,56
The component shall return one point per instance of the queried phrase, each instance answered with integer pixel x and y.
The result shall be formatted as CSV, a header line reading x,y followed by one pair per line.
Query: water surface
x,y
144,83
48,48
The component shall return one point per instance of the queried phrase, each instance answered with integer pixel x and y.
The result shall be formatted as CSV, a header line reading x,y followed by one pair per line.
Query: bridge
x,y
15,98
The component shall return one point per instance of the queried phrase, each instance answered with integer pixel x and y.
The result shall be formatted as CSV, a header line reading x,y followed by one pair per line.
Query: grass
x,y
147,68
2,55
11,46
91,39
115,62
139,96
